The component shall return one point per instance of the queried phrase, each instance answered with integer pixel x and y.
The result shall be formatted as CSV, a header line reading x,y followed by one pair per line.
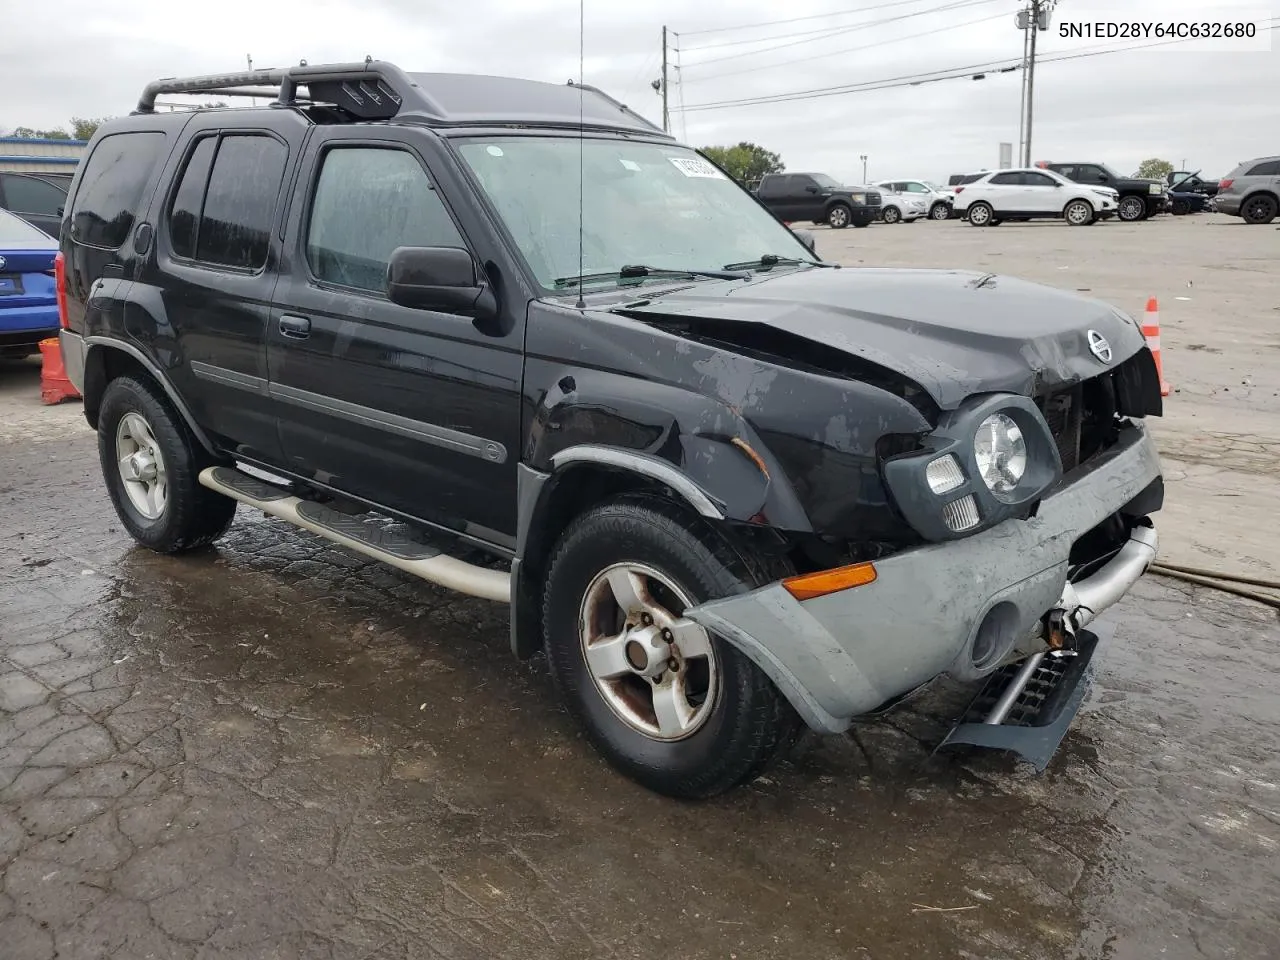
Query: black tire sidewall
x,y
1066,213
620,533
171,529
1248,205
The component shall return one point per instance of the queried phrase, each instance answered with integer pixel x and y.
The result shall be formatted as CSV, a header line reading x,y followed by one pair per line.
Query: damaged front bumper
x,y
961,607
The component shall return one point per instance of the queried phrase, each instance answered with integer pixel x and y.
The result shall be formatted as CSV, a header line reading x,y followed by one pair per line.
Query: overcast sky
x,y
1211,109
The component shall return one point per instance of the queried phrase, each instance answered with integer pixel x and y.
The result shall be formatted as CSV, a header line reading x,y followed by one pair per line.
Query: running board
x,y
391,542
1028,706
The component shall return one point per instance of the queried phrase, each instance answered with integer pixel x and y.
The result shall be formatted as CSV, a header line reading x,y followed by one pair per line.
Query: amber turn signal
x,y
810,585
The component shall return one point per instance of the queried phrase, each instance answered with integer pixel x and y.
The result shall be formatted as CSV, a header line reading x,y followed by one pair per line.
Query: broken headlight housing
x,y
991,459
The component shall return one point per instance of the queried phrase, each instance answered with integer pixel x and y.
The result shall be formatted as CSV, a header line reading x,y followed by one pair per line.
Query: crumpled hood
x,y
953,333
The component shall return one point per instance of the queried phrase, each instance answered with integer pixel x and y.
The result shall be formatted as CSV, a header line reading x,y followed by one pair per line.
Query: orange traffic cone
x,y
54,385
1151,330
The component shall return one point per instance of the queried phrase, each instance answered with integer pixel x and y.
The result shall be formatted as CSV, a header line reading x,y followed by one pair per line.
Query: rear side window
x,y
31,195
111,186
367,202
1270,168
772,186
1007,179
240,201
188,201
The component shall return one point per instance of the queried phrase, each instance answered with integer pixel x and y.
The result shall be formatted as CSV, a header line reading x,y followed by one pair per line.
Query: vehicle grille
x,y
873,198
1063,412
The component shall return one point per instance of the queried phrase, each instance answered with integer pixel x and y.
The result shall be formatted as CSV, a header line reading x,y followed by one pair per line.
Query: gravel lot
x,y
276,749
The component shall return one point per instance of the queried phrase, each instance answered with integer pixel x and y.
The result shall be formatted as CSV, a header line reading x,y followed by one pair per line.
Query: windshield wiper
x,y
637,271
772,260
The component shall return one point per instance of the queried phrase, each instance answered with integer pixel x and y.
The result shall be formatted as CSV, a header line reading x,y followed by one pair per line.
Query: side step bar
x,y
1027,707
392,543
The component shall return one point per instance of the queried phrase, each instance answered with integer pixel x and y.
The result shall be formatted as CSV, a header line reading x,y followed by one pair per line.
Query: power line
x,y
815,16
840,31
844,50
952,73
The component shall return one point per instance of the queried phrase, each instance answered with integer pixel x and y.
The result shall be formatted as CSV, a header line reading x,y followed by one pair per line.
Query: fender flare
x,y
98,343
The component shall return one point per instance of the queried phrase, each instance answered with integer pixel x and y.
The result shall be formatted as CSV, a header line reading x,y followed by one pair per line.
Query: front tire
x,y
838,216
1078,213
151,464
677,709
1131,209
981,214
940,211
1259,210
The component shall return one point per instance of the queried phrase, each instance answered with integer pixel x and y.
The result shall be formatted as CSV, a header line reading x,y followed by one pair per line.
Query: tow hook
x,y
1060,633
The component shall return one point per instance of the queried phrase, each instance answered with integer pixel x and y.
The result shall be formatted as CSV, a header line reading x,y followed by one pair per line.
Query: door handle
x,y
295,328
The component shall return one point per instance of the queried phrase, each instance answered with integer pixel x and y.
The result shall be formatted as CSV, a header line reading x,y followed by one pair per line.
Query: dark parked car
x,y
726,487
1139,198
37,199
818,198
1185,181
28,307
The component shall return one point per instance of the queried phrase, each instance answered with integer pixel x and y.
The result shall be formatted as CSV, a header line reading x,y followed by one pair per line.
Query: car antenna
x,y
582,20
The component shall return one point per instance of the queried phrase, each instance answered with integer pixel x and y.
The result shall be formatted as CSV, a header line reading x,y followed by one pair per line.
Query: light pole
x,y
863,158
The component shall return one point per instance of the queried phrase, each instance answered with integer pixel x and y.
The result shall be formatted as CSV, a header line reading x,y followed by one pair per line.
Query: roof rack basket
x,y
372,90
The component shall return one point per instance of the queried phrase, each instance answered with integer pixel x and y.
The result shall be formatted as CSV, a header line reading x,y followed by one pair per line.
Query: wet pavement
x,y
276,749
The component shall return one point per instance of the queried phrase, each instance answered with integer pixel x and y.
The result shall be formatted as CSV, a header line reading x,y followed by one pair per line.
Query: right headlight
x,y
1000,452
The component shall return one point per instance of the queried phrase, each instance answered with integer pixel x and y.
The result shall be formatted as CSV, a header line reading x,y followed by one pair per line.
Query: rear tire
x,y
666,559
981,214
161,503
891,214
1259,209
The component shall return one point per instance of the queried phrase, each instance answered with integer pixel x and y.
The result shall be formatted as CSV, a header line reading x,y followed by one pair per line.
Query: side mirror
x,y
439,278
811,189
1057,184
807,238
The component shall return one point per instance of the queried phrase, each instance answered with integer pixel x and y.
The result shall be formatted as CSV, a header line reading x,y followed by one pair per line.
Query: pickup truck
x,y
819,198
1139,198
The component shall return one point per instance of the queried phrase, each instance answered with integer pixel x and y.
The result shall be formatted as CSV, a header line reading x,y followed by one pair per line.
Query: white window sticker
x,y
695,167
494,151
630,165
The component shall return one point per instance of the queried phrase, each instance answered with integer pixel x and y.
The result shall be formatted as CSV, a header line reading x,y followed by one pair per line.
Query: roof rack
x,y
372,90
377,90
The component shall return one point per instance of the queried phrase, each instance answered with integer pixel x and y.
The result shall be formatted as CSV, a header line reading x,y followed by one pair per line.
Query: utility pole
x,y
1022,101
1031,78
666,116
1036,18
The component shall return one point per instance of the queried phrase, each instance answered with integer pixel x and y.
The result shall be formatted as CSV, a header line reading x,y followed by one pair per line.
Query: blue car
x,y
28,290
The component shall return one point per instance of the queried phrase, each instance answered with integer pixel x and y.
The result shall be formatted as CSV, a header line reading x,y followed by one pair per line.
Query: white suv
x,y
1027,193
937,200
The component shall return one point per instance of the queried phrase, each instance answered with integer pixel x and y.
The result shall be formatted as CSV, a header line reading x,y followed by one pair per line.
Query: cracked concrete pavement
x,y
276,749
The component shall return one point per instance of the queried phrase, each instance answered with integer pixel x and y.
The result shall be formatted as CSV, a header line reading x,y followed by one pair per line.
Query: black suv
x,y
817,198
727,488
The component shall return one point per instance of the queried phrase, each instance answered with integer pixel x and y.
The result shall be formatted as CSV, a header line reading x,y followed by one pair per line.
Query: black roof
x,y
377,90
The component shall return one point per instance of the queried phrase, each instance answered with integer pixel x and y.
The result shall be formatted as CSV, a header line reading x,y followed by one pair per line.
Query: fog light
x,y
944,474
962,514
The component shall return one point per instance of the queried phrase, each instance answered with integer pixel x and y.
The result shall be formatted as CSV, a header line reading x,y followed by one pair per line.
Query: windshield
x,y
932,186
658,205
1109,172
14,230
822,180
